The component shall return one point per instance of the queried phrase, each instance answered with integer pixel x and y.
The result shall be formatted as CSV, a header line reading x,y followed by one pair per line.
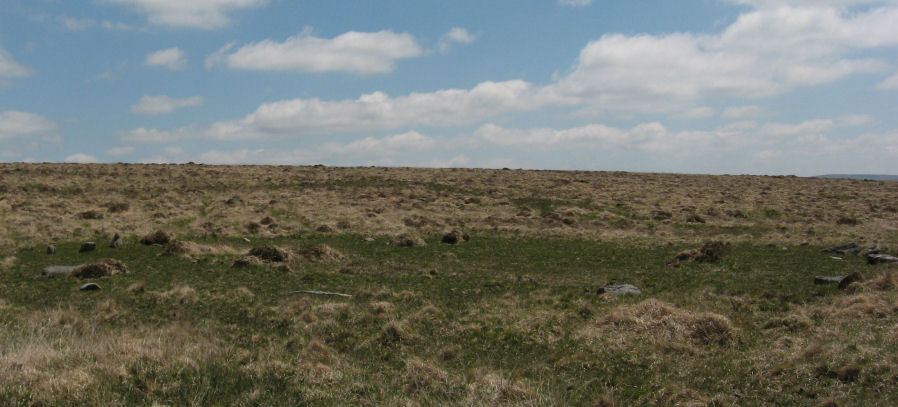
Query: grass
x,y
512,317
499,320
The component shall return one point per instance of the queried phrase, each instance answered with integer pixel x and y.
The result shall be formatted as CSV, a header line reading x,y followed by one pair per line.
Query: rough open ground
x,y
511,317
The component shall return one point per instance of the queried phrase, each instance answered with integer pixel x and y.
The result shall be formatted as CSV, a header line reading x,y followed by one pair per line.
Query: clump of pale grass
x,y
182,294
664,325
423,376
321,253
191,250
493,389
56,362
8,262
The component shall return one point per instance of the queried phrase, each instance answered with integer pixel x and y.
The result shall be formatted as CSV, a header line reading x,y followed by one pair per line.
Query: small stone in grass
x,y
90,287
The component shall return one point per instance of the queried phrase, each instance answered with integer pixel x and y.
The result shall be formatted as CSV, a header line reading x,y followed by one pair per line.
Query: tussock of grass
x,y
57,362
665,325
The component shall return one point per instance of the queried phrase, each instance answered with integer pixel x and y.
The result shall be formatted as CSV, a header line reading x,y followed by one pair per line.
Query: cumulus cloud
x,y
202,14
81,158
575,3
743,112
120,151
158,105
890,83
172,59
371,112
766,51
16,124
81,24
356,52
9,68
811,136
456,35
77,24
390,150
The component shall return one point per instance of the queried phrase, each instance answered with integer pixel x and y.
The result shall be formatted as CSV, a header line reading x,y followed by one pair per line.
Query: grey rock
x,y
117,242
87,247
851,278
881,258
89,287
53,271
51,249
822,280
850,248
842,281
619,289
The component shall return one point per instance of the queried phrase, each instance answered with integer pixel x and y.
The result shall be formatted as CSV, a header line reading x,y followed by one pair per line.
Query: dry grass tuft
x,y
102,268
864,304
423,376
495,390
8,262
158,238
191,249
321,253
408,240
182,294
381,308
270,254
709,253
394,333
666,325
56,362
136,288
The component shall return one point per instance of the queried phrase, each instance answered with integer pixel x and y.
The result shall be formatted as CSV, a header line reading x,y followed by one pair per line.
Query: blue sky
x,y
709,86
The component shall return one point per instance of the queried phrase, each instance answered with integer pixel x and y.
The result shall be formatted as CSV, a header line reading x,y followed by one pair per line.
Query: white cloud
x,y
701,112
400,143
575,3
174,151
157,105
355,52
809,3
890,83
372,112
766,51
16,124
116,26
81,24
9,68
594,134
172,59
456,35
77,24
390,150
120,151
81,158
743,112
733,140
203,14
856,120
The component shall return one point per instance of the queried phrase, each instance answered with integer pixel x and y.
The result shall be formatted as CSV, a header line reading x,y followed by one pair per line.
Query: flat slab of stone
x,y
87,247
851,248
842,281
57,271
881,258
619,289
821,280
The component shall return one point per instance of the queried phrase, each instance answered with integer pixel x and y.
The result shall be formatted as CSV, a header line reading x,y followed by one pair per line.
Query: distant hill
x,y
874,177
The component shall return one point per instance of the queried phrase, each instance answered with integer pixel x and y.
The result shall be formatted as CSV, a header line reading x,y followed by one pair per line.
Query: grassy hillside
x,y
514,316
